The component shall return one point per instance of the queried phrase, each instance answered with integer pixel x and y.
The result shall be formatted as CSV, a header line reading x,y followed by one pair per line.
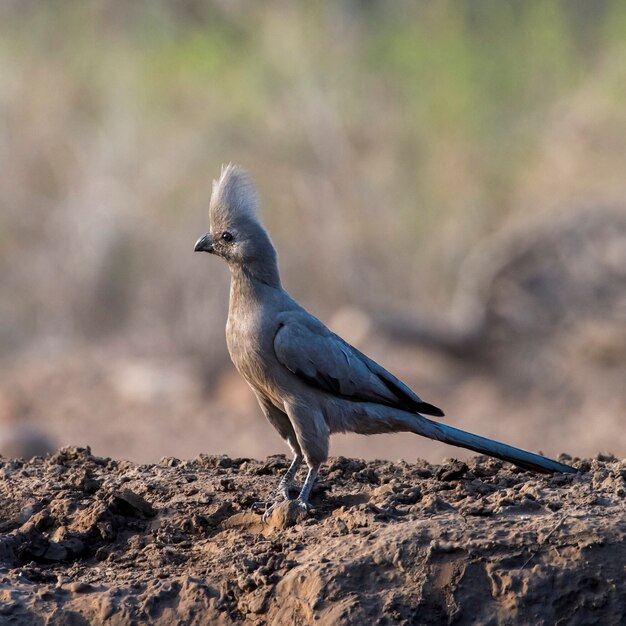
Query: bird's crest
x,y
234,196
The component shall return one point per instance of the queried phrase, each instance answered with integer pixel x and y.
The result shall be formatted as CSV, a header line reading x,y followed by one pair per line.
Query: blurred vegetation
x,y
387,138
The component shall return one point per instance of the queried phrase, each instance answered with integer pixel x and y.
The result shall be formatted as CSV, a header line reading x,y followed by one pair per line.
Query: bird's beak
x,y
204,244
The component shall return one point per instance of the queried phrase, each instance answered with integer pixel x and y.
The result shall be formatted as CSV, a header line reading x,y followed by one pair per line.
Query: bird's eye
x,y
226,236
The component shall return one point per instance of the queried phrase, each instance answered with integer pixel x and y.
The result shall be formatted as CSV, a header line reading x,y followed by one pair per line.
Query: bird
x,y
308,381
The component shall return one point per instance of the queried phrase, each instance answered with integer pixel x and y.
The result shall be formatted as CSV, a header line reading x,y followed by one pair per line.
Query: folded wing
x,y
322,359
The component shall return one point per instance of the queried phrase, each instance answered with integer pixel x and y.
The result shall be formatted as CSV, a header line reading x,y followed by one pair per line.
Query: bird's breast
x,y
251,349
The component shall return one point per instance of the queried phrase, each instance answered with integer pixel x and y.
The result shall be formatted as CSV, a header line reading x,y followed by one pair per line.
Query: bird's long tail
x,y
421,425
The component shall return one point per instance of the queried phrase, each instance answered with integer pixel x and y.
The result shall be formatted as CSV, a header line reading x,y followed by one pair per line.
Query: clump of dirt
x,y
93,540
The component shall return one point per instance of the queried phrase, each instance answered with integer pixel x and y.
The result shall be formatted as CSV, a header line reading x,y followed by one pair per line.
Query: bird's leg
x,y
303,498
287,479
282,490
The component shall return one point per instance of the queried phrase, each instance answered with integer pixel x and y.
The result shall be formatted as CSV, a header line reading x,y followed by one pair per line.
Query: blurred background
x,y
445,182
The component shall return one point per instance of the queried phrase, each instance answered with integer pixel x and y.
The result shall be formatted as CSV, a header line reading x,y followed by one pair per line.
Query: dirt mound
x,y
93,540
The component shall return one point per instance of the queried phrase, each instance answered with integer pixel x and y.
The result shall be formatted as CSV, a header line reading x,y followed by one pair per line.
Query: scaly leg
x,y
303,498
281,492
287,479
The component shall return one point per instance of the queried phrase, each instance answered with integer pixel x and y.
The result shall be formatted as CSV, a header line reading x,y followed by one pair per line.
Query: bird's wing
x,y
322,359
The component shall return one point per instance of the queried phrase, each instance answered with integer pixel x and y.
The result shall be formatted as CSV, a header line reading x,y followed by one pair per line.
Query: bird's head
x,y
236,233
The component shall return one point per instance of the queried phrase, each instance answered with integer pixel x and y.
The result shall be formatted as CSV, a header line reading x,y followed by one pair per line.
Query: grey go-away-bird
x,y
309,382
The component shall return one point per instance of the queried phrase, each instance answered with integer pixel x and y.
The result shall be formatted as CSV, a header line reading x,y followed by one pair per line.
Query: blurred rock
x,y
541,302
24,442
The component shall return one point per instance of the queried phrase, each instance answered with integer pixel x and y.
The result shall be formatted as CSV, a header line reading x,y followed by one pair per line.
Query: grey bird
x,y
309,382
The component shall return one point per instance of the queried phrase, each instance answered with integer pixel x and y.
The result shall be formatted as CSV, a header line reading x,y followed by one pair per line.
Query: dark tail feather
x,y
527,460
429,409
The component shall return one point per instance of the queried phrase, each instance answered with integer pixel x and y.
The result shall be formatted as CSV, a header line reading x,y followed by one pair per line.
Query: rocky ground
x,y
90,540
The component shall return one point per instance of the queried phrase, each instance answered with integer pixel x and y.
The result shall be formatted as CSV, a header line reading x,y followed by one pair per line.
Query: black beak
x,y
204,244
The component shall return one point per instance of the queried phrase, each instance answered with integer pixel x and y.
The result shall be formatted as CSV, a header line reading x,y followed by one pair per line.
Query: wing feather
x,y
324,360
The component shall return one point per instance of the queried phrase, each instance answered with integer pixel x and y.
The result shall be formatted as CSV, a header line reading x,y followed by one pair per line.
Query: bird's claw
x,y
257,507
303,504
297,503
268,512
280,494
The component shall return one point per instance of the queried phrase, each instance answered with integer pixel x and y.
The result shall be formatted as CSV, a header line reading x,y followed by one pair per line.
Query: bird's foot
x,y
303,504
286,513
262,505
268,512
282,493
287,491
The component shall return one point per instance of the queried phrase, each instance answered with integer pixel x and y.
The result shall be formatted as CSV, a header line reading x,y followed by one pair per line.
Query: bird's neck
x,y
247,284
265,273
